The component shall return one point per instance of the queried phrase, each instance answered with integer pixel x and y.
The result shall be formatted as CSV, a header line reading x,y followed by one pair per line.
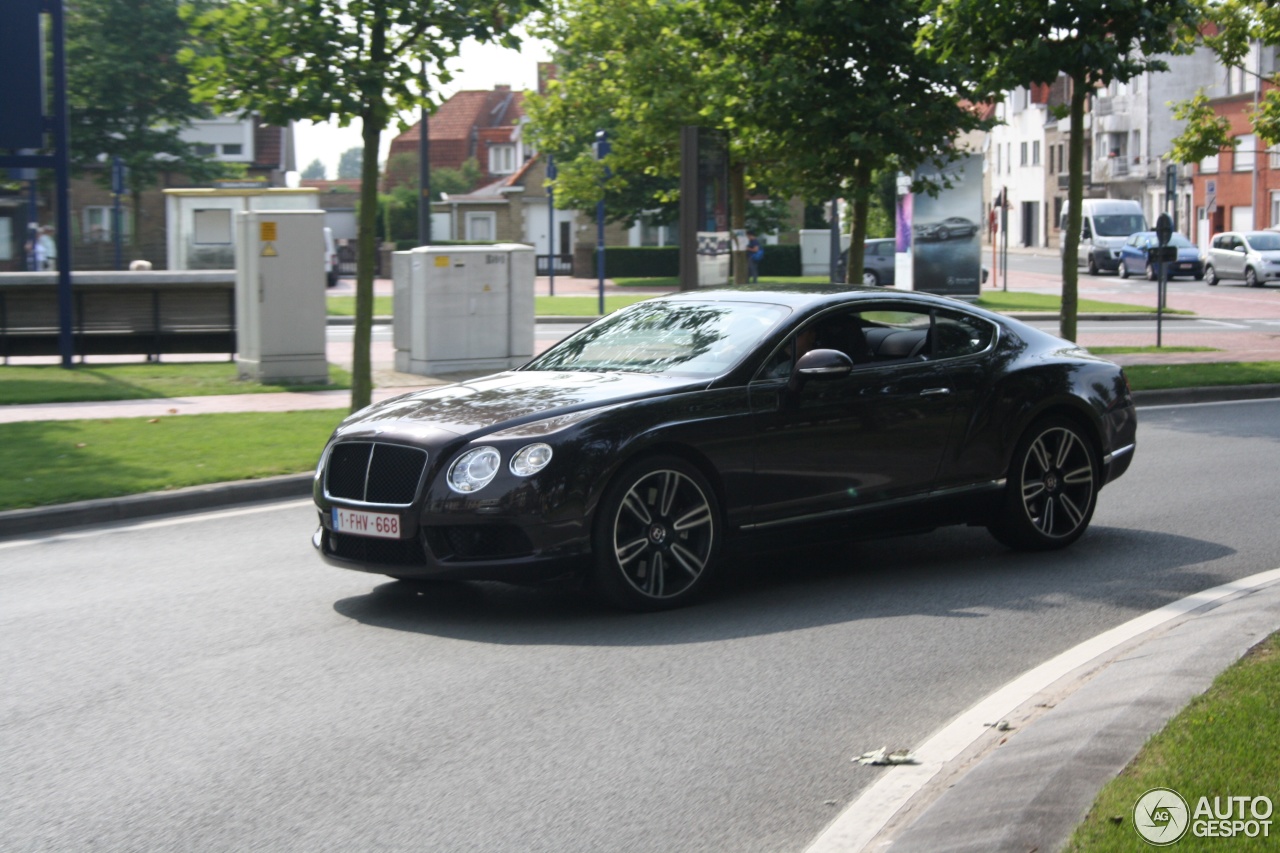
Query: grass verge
x,y
1158,377
1220,745
1147,350
1012,300
52,462
27,385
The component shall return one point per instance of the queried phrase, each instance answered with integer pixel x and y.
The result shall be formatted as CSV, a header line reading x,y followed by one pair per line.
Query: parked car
x,y
948,229
1105,223
1135,254
877,262
631,453
1249,256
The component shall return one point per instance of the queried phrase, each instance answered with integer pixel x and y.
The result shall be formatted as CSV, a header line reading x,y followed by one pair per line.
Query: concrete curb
x,y
1211,394
17,522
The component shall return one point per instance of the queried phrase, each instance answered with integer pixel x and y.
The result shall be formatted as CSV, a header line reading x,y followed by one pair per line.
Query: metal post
x,y
551,224
62,170
601,151
835,240
1004,238
424,169
117,188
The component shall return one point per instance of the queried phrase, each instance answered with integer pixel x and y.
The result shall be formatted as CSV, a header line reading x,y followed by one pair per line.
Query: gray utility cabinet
x,y
463,308
280,296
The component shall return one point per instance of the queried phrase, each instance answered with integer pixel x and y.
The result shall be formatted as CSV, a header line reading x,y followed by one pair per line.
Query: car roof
x,y
806,296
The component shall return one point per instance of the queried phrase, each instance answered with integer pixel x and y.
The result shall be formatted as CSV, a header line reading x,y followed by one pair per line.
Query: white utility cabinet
x,y
461,308
280,296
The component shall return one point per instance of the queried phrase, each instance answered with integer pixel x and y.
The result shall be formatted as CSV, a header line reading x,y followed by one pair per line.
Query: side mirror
x,y
824,364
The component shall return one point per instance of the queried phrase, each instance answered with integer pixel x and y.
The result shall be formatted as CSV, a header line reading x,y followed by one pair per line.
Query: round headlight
x,y
530,459
474,469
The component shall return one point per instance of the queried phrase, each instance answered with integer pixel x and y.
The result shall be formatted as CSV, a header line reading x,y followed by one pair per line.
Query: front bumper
x,y
498,552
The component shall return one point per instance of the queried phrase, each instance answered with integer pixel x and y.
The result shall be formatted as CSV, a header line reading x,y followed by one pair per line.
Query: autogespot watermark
x,y
1162,817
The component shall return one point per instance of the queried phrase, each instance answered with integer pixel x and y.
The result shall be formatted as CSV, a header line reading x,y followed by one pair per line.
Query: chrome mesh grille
x,y
374,473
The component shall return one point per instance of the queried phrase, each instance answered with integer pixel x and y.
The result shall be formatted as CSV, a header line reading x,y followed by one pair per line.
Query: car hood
x,y
504,400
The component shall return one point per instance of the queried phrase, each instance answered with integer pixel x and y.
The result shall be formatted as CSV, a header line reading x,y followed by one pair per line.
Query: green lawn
x,y
1150,377
1220,745
52,462
96,383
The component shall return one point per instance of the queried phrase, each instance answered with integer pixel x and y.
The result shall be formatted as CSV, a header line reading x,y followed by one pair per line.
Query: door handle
x,y
935,392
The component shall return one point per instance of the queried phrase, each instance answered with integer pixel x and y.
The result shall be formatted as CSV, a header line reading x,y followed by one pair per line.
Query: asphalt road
x,y
205,683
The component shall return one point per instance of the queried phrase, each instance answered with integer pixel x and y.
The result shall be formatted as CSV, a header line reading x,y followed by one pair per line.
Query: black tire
x,y
1124,270
1151,273
1210,276
656,538
1093,266
870,279
1052,488
1251,277
944,234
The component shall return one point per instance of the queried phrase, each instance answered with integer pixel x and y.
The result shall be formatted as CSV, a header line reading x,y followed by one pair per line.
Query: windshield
x,y
1265,242
666,336
1118,225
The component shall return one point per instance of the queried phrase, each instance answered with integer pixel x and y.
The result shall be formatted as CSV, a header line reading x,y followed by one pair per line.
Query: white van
x,y
1105,223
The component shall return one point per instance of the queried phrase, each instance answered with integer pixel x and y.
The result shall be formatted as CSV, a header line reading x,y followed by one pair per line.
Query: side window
x,y
956,335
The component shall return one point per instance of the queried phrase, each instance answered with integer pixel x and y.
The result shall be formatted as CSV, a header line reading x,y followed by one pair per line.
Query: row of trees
x,y
818,96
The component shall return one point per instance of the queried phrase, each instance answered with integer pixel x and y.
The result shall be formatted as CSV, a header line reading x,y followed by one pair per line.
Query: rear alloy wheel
x,y
1251,277
870,279
1052,488
657,535
1210,276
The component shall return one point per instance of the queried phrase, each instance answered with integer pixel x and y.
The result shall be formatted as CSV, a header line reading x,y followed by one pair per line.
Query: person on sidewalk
x,y
755,254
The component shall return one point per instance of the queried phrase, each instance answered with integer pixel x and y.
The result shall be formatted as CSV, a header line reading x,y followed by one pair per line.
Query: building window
x,y
481,227
1035,153
232,150
1246,156
1022,154
502,159
1209,165
211,226
97,223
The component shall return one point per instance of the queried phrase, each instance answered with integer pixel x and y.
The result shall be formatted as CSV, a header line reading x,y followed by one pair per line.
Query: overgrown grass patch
x,y
1221,745
1153,377
51,462
345,306
1016,300
25,385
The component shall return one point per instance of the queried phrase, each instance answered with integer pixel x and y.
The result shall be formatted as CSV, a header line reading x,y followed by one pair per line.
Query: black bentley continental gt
x,y
631,452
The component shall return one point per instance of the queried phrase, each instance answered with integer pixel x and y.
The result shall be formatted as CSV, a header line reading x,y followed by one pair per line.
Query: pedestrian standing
x,y
755,254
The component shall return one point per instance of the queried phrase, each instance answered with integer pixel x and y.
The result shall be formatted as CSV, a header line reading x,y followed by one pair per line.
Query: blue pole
x,y
62,168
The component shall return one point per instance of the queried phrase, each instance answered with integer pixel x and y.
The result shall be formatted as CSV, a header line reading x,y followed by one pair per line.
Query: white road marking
x,y
863,819
214,515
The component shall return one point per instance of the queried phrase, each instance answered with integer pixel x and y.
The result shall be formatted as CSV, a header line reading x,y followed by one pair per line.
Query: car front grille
x,y
374,473
364,549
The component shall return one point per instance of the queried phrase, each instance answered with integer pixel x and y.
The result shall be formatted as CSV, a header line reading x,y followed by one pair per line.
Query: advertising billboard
x,y
946,230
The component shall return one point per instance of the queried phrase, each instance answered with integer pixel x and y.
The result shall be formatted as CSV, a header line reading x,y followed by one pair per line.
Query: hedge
x,y
664,261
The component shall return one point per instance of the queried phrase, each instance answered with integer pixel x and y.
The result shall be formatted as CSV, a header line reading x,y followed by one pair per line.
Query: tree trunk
x,y
1075,195
738,218
858,234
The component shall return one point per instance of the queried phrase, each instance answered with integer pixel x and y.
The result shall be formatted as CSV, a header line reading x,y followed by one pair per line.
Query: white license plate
x,y
1184,266
383,525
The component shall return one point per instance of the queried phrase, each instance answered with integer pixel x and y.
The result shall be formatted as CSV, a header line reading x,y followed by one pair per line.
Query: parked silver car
x,y
1249,256
878,263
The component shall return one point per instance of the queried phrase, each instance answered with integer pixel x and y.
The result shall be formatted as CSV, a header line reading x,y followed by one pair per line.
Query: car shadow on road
x,y
957,573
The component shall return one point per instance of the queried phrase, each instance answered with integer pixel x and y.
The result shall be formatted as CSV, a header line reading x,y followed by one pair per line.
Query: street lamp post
x,y
602,149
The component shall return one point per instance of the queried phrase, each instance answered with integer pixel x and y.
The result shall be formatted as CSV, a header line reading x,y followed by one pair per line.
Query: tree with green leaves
x,y
350,162
840,91
1232,27
1092,42
340,59
128,96
314,171
639,71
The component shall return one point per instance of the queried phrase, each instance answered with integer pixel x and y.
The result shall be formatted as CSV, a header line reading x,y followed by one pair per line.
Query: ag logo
x,y
1161,816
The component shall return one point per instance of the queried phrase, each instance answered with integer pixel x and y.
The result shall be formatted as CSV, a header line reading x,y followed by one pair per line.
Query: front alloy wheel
x,y
657,535
1052,490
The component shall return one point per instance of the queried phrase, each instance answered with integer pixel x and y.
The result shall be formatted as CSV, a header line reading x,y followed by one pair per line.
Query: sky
x,y
478,67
